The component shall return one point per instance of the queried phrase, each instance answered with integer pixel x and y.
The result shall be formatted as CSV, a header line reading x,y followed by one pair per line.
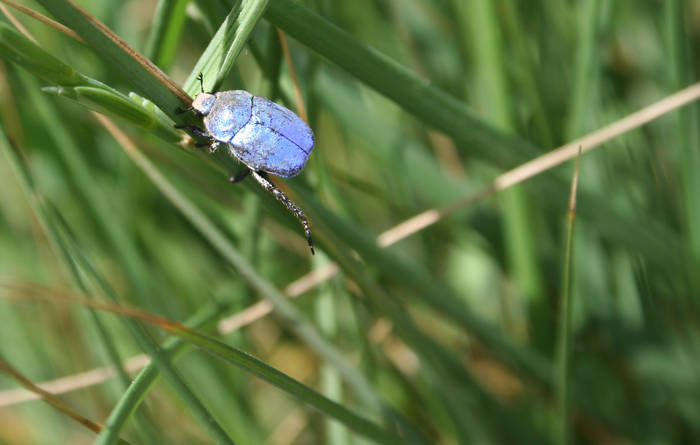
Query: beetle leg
x,y
281,197
179,110
239,177
194,130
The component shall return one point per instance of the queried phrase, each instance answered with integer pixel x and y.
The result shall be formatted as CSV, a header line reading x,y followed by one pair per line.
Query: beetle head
x,y
203,102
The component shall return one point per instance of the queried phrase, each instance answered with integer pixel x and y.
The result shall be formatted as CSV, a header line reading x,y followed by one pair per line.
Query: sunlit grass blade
x,y
425,101
413,94
223,49
120,107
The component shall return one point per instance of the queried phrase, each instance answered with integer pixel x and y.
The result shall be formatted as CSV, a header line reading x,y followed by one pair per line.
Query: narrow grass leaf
x,y
74,259
679,73
563,352
147,78
417,96
120,107
165,32
469,131
173,348
218,240
436,295
245,361
80,88
223,49
17,48
51,400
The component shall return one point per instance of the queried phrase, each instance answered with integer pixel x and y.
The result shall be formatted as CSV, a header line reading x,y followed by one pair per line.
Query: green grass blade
x,y
323,404
16,48
400,85
53,225
563,351
39,207
457,387
480,18
468,130
120,107
436,295
282,305
173,348
80,88
584,69
679,73
172,376
413,94
326,314
165,33
144,81
223,49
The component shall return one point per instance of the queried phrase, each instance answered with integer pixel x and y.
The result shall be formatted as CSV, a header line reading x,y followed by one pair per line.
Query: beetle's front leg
x,y
194,130
239,177
213,146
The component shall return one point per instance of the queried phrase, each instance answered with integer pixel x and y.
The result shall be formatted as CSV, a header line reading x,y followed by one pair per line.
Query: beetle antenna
x,y
200,78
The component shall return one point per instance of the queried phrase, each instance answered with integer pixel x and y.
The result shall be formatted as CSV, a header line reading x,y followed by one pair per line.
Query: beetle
x,y
266,137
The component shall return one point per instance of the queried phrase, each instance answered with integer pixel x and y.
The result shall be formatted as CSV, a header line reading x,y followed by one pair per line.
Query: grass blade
x,y
53,222
219,241
563,352
164,36
150,81
51,400
223,49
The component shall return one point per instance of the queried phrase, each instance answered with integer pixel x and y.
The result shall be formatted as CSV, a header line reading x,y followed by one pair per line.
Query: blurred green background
x,y
448,336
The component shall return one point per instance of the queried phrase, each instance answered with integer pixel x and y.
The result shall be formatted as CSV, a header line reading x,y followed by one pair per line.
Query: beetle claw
x,y
241,176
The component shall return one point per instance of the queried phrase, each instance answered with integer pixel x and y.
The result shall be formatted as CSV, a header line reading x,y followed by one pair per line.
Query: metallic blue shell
x,y
260,133
230,112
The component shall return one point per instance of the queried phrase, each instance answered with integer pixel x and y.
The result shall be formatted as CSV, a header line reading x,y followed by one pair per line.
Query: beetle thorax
x,y
203,102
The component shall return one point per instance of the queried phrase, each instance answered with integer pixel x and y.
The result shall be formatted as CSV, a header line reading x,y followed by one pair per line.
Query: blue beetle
x,y
264,136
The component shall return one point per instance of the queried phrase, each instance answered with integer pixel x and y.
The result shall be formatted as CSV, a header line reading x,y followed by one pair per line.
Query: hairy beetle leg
x,y
281,197
194,130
